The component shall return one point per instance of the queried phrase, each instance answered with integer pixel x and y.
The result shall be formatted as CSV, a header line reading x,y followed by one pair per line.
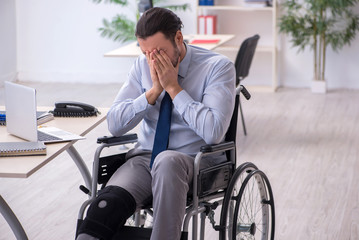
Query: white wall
x,y
7,41
59,41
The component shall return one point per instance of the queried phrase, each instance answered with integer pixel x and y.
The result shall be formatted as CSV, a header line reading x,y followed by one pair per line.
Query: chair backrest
x,y
243,63
244,57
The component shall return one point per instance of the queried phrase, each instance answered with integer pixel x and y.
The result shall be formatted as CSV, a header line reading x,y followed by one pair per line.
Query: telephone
x,y
74,109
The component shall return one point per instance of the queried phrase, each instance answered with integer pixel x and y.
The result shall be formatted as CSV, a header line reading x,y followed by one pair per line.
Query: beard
x,y
175,58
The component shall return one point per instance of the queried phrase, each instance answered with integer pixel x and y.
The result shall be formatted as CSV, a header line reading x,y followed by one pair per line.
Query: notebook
x,y
42,117
10,149
21,120
2,118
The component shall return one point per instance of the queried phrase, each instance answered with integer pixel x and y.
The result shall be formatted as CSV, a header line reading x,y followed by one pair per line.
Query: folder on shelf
x,y
211,22
201,24
207,24
11,149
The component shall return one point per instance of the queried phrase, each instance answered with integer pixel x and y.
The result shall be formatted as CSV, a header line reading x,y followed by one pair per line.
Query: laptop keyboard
x,y
41,136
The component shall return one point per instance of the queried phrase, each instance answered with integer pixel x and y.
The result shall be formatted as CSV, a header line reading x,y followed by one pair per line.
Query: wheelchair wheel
x,y
248,207
228,206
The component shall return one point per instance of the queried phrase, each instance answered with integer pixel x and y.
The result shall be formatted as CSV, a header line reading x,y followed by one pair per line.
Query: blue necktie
x,y
163,127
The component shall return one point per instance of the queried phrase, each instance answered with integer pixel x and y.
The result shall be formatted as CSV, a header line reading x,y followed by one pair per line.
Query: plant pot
x,y
319,86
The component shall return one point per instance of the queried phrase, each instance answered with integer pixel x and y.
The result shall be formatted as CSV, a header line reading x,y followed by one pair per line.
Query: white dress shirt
x,y
201,111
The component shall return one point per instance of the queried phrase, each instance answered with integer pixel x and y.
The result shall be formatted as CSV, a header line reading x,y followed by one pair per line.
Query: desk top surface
x,y
24,166
133,50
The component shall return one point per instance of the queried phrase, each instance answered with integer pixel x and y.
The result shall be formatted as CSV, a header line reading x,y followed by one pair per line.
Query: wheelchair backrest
x,y
232,129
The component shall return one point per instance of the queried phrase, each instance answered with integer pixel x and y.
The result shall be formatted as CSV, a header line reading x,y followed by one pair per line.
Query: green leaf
x,y
119,29
330,18
122,29
121,2
182,7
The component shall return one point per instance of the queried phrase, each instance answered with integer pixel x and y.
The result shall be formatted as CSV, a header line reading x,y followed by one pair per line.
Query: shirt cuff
x,y
140,104
181,101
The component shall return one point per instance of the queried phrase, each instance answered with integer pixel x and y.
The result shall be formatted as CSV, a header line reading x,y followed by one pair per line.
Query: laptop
x,y
21,120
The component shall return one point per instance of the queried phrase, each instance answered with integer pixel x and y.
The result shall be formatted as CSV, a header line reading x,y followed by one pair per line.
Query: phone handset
x,y
74,109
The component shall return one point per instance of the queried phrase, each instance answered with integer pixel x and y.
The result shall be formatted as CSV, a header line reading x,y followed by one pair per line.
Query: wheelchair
x,y
244,192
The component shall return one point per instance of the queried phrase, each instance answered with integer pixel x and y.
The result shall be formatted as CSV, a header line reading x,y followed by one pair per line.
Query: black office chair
x,y
243,63
244,193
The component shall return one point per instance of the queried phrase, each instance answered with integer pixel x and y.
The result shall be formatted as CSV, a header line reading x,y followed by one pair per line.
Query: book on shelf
x,y
42,117
2,118
206,2
12,149
257,3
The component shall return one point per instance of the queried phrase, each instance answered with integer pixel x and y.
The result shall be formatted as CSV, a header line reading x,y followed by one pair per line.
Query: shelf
x,y
242,20
235,8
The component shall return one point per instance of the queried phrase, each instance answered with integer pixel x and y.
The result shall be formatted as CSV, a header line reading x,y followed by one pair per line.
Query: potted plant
x,y
318,24
121,28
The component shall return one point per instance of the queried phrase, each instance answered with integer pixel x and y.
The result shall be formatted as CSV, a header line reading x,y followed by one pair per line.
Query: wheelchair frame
x,y
225,190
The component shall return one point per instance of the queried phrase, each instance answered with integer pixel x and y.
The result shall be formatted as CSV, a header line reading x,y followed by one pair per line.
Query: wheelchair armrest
x,y
127,138
98,167
217,147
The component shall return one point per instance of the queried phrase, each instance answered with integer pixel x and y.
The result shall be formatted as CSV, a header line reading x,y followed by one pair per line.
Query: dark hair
x,y
158,20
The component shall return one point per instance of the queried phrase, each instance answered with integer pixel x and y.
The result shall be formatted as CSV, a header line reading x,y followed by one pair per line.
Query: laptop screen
x,y
20,105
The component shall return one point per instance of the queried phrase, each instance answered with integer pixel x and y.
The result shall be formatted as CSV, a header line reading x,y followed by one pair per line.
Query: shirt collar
x,y
184,65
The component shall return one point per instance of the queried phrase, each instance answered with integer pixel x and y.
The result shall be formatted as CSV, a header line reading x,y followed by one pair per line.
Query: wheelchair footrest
x,y
138,233
184,236
133,233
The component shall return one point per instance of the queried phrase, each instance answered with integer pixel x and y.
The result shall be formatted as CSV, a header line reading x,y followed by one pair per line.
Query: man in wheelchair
x,y
198,87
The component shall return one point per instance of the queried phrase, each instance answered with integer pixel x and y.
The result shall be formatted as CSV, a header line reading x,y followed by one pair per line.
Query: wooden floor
x,y
307,144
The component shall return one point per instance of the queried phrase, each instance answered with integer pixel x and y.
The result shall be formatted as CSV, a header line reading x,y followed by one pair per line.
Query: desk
x,y
23,167
133,50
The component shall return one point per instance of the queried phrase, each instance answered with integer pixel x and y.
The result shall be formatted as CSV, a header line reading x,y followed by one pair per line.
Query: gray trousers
x,y
168,183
